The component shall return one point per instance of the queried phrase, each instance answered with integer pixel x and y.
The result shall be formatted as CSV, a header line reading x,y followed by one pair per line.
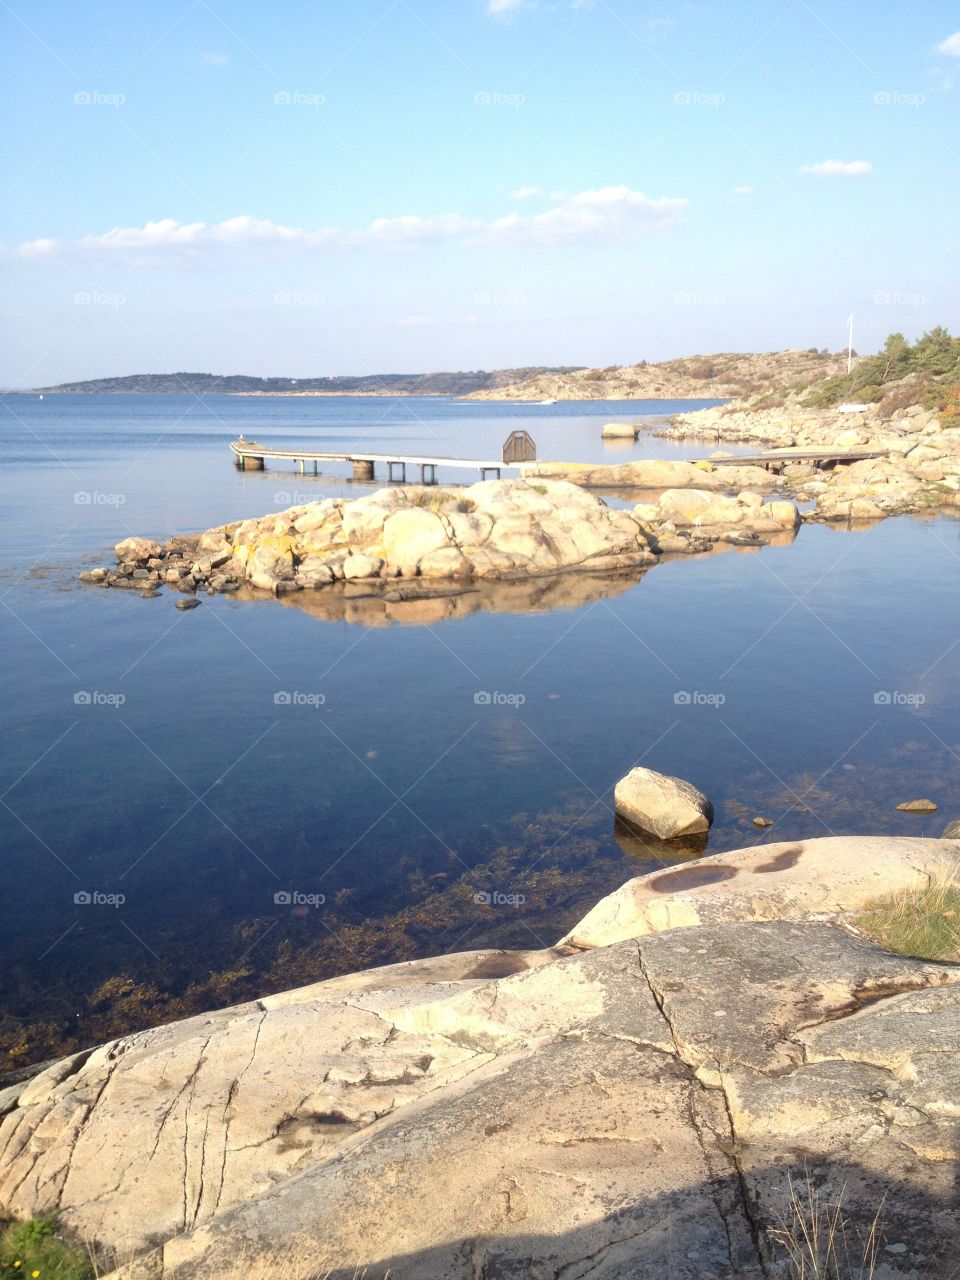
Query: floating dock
x,y
776,459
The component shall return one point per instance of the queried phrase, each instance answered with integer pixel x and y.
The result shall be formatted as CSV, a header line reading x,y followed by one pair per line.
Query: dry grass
x,y
821,1242
917,922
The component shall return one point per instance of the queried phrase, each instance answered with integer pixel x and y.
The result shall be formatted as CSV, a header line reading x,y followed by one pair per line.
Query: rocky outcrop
x,y
667,807
494,531
635,1108
652,473
619,431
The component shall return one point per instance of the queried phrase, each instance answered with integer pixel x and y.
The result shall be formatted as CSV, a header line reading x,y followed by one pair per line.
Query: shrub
x,y
33,1248
901,398
702,369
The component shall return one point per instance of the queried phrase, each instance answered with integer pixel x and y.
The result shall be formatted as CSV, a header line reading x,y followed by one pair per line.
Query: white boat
x,y
546,402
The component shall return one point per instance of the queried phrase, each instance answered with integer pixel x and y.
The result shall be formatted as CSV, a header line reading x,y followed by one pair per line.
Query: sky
x,y
369,186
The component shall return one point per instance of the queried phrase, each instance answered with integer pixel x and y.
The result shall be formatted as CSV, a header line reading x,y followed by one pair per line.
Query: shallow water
x,y
442,785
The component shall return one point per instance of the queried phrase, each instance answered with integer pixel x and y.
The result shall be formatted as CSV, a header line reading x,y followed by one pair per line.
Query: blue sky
x,y
404,185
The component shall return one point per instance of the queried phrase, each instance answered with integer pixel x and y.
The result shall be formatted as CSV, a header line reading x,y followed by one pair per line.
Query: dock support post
x,y
390,472
252,461
315,466
484,470
428,473
362,469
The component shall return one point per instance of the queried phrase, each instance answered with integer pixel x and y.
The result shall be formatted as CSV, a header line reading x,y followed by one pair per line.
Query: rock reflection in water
x,y
419,605
646,847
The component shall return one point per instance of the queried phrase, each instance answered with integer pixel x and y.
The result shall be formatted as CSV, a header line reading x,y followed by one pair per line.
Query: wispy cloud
x,y
215,59
590,216
838,168
951,46
742,191
501,8
524,193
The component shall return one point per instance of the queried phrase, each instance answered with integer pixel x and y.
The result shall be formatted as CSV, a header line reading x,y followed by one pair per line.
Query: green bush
x,y
934,357
32,1249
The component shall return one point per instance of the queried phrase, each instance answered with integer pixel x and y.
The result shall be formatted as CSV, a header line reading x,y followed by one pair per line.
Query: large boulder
x,y
619,431
137,550
669,807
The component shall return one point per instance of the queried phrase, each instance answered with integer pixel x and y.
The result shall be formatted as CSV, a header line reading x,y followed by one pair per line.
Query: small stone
x,y
192,603
917,806
899,1247
762,822
151,593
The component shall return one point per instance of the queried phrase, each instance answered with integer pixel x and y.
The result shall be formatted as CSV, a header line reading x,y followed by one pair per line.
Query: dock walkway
x,y
251,454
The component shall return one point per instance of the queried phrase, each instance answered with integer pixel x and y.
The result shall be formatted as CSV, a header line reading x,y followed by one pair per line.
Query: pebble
x,y
192,603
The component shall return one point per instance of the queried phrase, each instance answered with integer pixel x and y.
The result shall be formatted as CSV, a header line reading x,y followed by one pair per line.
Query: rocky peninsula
x,y
638,1099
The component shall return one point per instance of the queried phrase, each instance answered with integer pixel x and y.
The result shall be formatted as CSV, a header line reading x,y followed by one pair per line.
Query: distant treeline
x,y
410,384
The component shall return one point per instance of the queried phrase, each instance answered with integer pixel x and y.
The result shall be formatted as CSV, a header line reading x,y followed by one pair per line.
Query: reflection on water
x,y
375,606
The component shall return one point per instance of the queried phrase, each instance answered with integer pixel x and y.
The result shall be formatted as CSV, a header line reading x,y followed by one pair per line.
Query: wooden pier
x,y
776,460
252,456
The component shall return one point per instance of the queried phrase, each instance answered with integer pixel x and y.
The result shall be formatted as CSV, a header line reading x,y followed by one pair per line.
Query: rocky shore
x,y
632,1101
920,471
415,538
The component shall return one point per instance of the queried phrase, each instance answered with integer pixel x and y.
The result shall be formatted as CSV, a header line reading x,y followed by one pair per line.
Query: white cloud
x,y
838,168
215,59
504,6
591,216
950,46
525,193
742,191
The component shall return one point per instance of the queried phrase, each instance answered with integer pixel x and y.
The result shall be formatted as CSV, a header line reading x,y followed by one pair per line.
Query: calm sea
x,y
200,807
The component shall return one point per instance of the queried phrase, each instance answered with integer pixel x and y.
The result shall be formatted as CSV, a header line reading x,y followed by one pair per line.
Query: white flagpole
x,y
850,342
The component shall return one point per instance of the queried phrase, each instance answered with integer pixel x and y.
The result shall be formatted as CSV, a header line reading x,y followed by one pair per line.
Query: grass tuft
x,y
820,1241
917,922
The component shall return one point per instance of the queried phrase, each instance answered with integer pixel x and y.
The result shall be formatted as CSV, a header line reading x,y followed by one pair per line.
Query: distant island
x,y
375,384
